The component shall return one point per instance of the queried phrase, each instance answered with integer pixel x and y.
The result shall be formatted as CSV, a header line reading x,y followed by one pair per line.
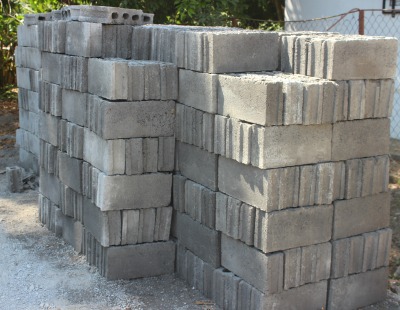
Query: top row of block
x,y
93,14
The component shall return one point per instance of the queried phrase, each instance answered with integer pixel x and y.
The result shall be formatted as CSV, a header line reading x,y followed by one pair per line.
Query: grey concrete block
x,y
198,90
346,58
50,97
133,156
254,98
50,186
133,191
28,100
74,107
178,193
308,225
71,203
52,36
72,233
315,292
358,290
130,226
48,128
279,146
28,79
222,58
108,78
150,154
118,120
104,226
140,260
360,215
384,105
198,165
28,57
220,134
168,81
83,39
70,171
162,226
201,240
48,157
50,215
75,140
111,159
147,221
116,41
166,154
52,67
307,265
74,74
14,177
27,160
265,272
28,35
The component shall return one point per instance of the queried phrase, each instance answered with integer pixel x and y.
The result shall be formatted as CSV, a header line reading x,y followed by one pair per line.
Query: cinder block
x,y
166,154
133,191
358,290
383,107
198,90
140,260
50,97
169,81
52,68
75,140
254,98
199,239
71,203
108,15
74,107
28,161
178,192
14,177
198,165
291,228
28,100
150,154
116,41
48,157
28,57
111,159
28,79
307,265
360,215
74,73
315,292
346,58
50,215
70,171
50,186
279,146
28,36
264,272
83,39
104,226
48,128
220,134
134,156
118,120
72,233
108,78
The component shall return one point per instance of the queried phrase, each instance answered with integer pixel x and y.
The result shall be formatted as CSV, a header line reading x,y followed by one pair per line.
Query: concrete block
x,y
133,156
253,98
178,193
14,177
308,225
52,68
28,57
384,243
136,81
116,41
108,15
72,233
222,58
133,191
48,157
74,74
62,136
346,58
50,97
141,42
118,120
307,265
150,154
48,128
198,90
50,215
71,203
358,290
70,171
208,132
75,140
198,165
108,78
293,102
199,239
83,39
169,81
360,215
162,226
166,154
28,161
50,186
28,100
147,221
28,79
220,134
130,226
384,105
74,107
264,272
111,160
357,104
315,292
279,146
140,260
104,226
28,36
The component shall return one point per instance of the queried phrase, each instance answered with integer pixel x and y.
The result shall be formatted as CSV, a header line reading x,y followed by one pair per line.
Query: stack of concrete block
x,y
276,162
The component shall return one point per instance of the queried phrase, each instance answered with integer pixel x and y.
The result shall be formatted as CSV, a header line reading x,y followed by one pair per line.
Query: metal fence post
x,y
361,17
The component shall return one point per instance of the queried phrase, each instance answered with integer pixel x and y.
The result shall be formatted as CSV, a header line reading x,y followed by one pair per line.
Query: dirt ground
x,y
40,271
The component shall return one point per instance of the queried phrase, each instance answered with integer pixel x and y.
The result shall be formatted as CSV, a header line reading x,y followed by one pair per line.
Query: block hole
x,y
114,15
125,16
42,18
135,17
146,18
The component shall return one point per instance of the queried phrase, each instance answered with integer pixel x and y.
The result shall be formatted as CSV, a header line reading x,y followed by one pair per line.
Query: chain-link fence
x,y
368,22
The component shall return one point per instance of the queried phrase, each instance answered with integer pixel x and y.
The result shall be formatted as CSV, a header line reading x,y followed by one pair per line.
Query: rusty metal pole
x,y
361,18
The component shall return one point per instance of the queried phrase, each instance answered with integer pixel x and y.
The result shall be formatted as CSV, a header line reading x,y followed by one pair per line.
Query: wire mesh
x,y
376,23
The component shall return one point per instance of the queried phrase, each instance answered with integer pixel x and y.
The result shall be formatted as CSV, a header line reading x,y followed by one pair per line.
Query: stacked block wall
x,y
275,165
